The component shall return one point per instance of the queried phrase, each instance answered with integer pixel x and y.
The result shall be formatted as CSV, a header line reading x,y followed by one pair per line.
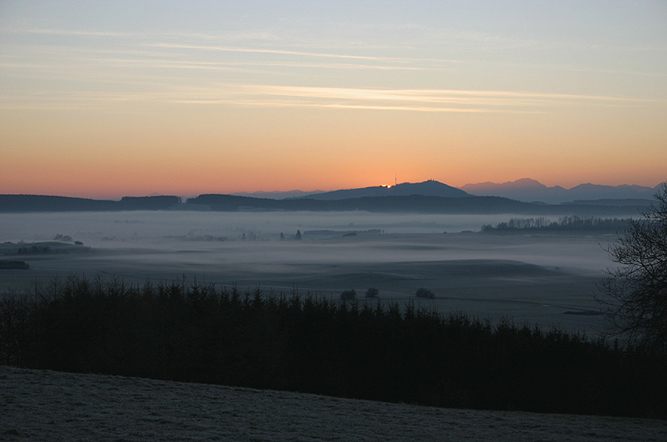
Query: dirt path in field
x,y
41,405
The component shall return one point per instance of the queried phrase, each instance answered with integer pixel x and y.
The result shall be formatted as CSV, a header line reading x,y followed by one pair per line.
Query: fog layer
x,y
545,279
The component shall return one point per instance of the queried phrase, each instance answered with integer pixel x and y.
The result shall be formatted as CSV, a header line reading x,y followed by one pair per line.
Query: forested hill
x,y
406,204
426,188
413,203
45,203
387,204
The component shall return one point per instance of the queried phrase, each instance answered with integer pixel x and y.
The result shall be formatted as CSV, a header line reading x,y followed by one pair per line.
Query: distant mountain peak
x,y
526,182
425,188
529,190
522,183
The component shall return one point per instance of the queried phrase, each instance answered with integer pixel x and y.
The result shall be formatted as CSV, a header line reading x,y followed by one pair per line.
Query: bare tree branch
x,y
634,296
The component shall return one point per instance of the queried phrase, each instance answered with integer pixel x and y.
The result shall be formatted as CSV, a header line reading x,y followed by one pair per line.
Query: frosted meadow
x,y
45,406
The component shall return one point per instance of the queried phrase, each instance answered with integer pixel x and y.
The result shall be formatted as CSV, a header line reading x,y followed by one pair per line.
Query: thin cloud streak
x,y
444,38
185,64
244,36
73,32
150,58
434,95
428,109
280,103
420,100
274,51
495,41
410,64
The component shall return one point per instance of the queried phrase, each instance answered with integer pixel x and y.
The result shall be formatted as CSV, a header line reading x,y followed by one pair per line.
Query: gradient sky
x,y
105,99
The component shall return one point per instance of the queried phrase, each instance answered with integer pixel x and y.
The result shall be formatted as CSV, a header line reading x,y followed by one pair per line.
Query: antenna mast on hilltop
x,y
395,180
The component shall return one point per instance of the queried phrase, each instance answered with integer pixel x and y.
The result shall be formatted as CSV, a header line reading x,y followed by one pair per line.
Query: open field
x,y
42,405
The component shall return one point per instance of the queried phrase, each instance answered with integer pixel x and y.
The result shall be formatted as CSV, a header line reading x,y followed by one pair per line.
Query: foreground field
x,y
42,405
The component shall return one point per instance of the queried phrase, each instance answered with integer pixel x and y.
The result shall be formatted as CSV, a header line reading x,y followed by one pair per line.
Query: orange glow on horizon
x,y
95,105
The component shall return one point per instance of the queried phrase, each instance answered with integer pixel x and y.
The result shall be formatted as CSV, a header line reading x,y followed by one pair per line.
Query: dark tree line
x,y
43,203
563,224
197,333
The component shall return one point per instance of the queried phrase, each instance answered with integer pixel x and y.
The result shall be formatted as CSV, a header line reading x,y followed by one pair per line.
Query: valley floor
x,y
42,405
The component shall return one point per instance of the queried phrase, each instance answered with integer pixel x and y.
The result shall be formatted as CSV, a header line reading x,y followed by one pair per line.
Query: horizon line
x,y
246,193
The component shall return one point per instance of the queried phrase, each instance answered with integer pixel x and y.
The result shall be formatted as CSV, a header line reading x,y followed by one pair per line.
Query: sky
x,y
112,98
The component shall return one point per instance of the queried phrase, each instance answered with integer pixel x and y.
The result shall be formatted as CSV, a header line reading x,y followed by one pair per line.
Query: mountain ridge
x,y
425,188
529,190
279,195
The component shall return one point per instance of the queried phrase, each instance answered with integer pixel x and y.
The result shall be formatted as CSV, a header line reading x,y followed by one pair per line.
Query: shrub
x,y
372,292
424,293
13,265
348,295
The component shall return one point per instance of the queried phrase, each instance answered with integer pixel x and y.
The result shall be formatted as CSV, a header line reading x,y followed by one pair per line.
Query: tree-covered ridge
x,y
311,344
379,204
46,203
563,224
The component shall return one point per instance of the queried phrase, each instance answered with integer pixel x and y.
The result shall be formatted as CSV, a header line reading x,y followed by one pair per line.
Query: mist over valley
x,y
545,279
